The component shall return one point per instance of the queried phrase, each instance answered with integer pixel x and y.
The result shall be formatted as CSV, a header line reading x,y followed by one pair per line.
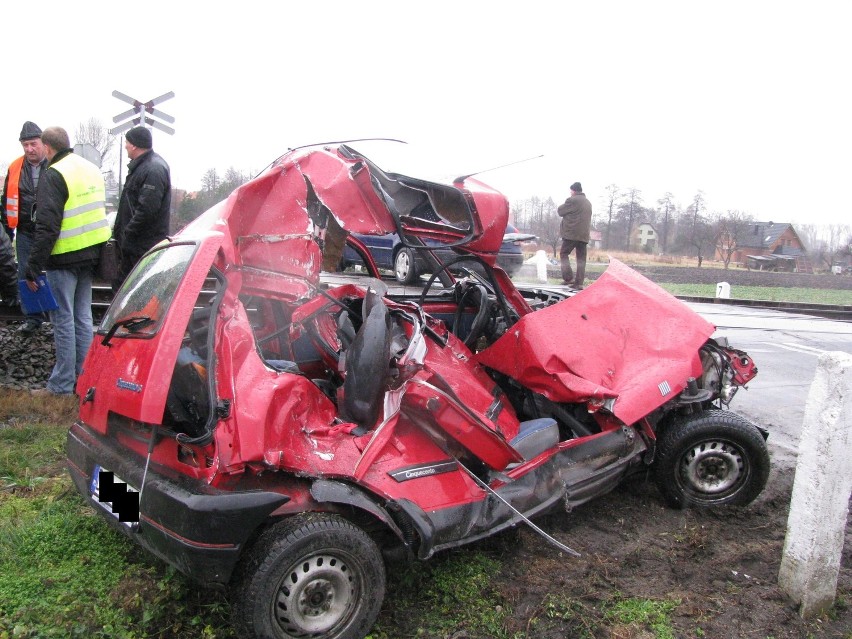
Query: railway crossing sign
x,y
144,113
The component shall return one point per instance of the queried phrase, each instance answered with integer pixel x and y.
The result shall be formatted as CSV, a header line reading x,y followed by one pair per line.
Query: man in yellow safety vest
x,y
70,229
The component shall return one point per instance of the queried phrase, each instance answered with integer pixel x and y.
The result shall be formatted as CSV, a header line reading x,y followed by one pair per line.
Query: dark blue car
x,y
389,254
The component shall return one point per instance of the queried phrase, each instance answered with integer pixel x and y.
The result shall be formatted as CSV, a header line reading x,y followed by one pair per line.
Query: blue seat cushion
x,y
536,436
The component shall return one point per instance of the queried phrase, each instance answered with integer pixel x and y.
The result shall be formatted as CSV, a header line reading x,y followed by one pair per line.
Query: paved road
x,y
785,348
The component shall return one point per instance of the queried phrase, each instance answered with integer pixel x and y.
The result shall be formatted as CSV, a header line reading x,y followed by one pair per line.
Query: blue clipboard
x,y
41,301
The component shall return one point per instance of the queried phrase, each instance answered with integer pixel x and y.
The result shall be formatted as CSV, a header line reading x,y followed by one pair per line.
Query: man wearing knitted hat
x,y
16,208
144,207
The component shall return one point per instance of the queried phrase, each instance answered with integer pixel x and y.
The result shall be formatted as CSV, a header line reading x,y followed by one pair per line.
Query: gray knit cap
x,y
30,131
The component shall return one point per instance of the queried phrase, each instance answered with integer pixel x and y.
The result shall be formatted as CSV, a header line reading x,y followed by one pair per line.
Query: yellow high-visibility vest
x,y
84,221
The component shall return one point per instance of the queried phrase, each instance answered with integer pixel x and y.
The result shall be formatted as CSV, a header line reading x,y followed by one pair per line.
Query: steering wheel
x,y
478,294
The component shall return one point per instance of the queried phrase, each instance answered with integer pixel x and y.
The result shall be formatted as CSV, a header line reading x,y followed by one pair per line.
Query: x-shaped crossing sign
x,y
144,112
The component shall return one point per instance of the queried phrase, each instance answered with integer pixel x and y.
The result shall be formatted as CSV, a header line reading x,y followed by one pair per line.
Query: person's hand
x,y
33,286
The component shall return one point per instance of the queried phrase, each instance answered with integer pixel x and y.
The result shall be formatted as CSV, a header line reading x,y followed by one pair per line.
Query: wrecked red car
x,y
266,424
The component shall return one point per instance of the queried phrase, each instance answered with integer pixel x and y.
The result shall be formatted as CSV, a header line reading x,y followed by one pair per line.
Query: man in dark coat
x,y
145,204
576,227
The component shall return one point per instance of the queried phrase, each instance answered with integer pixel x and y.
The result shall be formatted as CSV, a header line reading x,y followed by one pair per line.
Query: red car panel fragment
x,y
623,338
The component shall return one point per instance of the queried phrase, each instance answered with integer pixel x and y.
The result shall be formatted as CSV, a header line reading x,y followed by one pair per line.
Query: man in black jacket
x,y
145,204
70,227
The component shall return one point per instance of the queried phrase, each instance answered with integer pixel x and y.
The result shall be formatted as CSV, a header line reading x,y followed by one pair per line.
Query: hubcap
x,y
403,265
316,595
712,467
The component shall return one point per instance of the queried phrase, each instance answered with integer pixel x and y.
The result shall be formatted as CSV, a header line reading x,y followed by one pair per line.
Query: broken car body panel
x,y
623,341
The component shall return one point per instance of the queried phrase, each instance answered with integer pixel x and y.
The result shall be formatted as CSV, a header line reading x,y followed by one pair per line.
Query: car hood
x,y
622,339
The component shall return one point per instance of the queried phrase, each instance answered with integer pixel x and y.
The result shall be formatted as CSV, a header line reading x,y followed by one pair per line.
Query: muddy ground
x,y
721,565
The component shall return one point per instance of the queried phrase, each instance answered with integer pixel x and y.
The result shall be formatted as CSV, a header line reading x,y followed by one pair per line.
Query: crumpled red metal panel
x,y
492,209
624,337
276,217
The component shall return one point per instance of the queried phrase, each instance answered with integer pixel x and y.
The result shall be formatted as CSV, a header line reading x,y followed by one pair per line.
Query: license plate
x,y
116,496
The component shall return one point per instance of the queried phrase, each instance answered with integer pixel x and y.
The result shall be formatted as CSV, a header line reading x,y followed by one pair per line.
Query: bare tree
x,y
699,234
837,241
93,132
231,181
632,210
518,213
809,234
667,208
546,224
826,243
729,230
210,182
613,193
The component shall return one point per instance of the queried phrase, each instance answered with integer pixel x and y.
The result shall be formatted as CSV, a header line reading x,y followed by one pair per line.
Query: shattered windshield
x,y
144,299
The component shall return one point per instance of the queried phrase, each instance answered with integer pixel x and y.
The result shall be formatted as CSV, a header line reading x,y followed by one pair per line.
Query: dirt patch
x,y
721,566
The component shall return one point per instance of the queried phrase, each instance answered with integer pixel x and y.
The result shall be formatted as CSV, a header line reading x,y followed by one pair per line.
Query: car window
x,y
144,298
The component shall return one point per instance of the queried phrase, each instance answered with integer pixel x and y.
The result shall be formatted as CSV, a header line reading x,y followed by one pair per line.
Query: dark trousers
x,y
564,252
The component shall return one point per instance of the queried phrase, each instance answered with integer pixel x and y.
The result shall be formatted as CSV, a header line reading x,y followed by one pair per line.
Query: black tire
x,y
712,458
313,575
405,266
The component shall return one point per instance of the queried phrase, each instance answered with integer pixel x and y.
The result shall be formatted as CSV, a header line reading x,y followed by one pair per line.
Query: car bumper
x,y
199,530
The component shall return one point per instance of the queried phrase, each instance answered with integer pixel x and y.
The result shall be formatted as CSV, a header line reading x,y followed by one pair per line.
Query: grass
x,y
599,260
452,594
63,571
762,293
765,293
617,616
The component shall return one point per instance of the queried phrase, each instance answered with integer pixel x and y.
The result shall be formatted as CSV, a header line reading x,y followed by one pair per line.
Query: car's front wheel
x,y
712,458
404,266
312,575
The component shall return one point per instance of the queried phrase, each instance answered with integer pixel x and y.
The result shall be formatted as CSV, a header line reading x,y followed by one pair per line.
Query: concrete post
x,y
821,489
540,261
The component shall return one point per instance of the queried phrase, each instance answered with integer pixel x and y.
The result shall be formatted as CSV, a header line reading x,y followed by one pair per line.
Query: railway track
x,y
102,296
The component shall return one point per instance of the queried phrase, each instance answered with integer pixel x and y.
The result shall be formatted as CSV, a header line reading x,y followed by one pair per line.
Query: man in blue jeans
x,y
70,229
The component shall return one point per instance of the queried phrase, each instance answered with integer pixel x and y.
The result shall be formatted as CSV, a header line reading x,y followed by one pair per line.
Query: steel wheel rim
x,y
316,595
713,468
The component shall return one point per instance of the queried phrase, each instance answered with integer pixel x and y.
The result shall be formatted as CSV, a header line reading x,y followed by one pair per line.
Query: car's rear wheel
x,y
712,458
312,575
404,266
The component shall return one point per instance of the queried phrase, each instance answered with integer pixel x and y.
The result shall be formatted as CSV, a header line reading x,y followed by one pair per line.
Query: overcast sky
x,y
747,101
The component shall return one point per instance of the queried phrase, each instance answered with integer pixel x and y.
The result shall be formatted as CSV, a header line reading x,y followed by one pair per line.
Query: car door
x,y
130,362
